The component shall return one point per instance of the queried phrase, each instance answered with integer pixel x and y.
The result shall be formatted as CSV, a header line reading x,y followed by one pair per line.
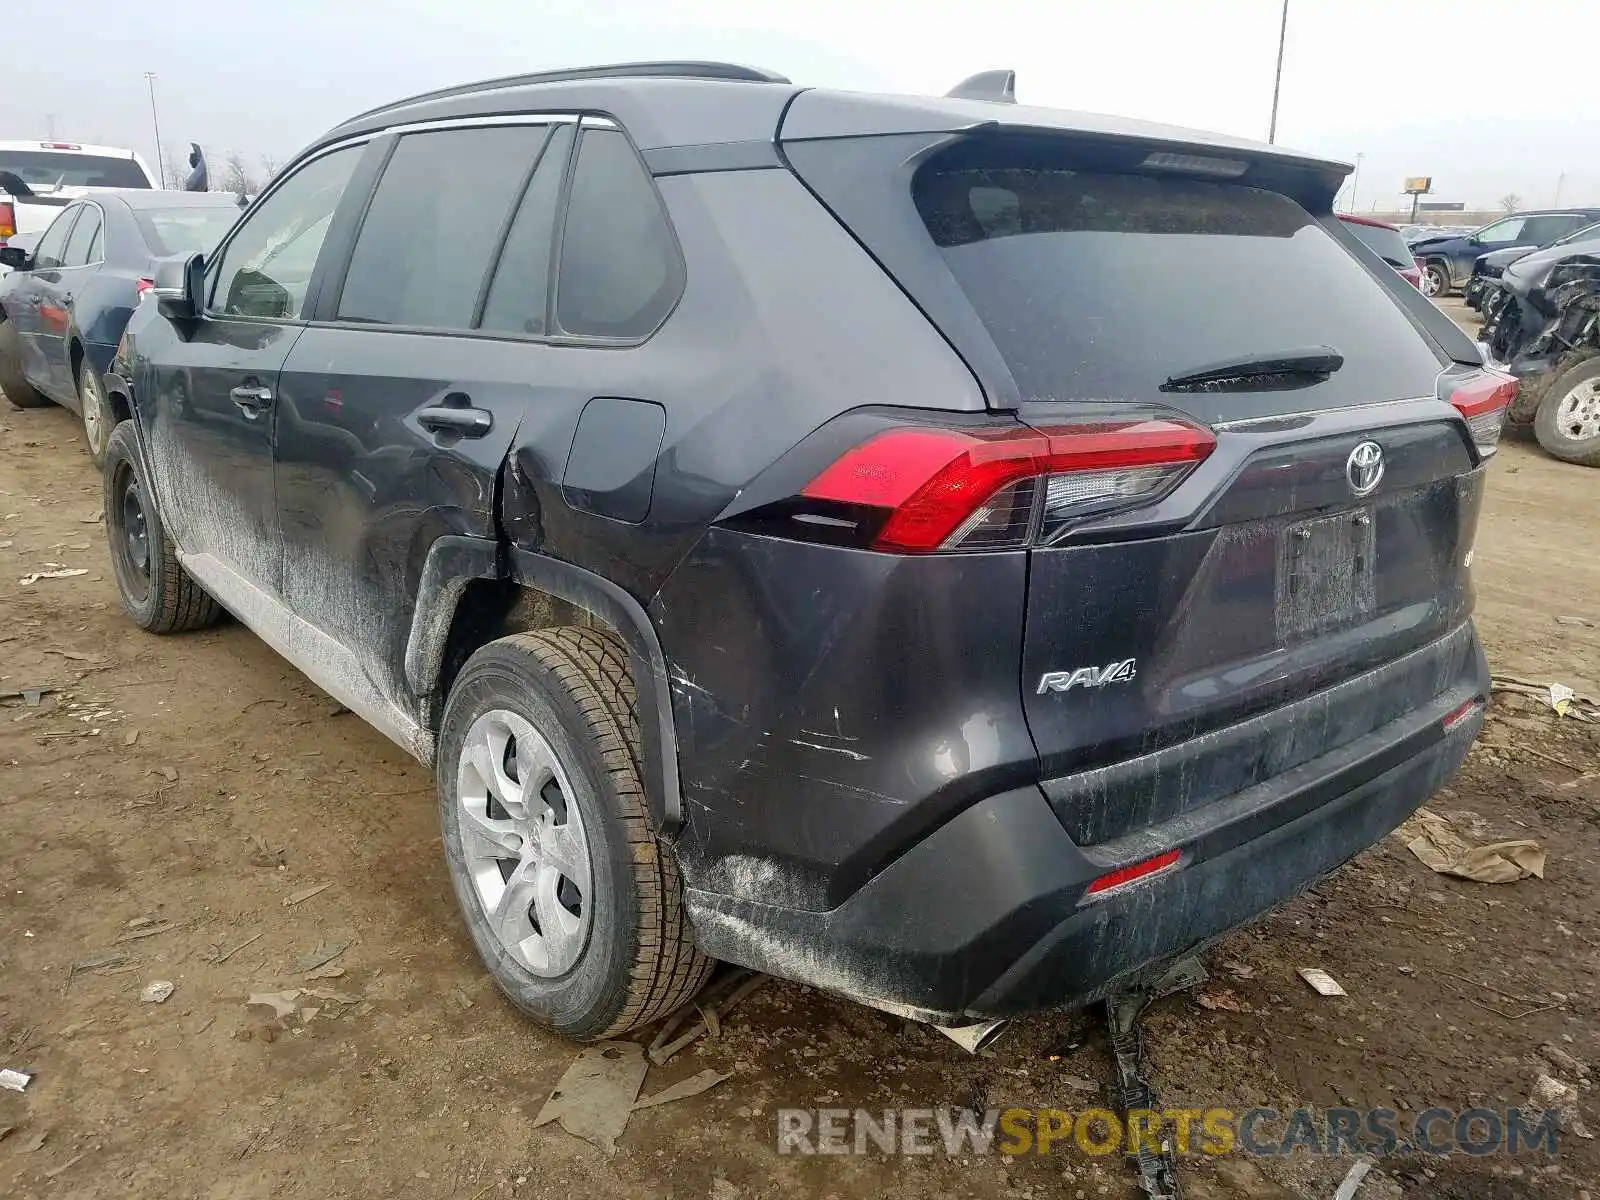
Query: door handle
x,y
463,422
251,399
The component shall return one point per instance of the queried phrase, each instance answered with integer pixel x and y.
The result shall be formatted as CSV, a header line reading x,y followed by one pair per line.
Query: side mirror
x,y
16,257
180,286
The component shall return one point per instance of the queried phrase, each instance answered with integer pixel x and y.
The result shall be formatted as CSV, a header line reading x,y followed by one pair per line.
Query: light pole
x,y
161,162
1355,181
1277,79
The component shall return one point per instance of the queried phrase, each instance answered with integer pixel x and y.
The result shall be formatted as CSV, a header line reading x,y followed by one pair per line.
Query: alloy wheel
x,y
523,842
96,420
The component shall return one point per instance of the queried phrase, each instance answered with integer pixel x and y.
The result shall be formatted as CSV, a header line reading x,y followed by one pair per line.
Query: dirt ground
x,y
170,797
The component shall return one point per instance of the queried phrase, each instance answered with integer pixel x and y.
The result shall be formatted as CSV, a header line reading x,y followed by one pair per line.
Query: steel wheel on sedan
x,y
1568,421
98,419
571,902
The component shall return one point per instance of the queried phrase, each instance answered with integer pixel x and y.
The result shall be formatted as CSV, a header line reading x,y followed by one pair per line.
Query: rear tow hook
x,y
1158,1170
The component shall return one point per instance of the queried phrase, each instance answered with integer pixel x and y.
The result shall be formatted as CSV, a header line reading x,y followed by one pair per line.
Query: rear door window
x,y
620,271
1100,286
519,292
82,246
436,219
1541,231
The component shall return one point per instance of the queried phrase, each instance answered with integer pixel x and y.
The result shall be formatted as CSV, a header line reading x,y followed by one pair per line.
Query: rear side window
x,y
426,244
1544,230
1102,286
620,271
1386,243
82,246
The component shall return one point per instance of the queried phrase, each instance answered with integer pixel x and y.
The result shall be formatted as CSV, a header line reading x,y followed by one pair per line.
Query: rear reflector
x,y
1123,876
1464,713
1482,400
981,489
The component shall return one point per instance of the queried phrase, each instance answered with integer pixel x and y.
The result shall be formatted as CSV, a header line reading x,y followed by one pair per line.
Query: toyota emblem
x,y
1364,468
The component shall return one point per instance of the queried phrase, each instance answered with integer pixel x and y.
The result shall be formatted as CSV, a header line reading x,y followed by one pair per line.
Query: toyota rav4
x,y
922,547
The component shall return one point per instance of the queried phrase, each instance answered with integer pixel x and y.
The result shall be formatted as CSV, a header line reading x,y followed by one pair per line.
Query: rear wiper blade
x,y
1296,367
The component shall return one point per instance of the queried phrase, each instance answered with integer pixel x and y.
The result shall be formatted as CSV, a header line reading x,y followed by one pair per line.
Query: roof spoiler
x,y
998,87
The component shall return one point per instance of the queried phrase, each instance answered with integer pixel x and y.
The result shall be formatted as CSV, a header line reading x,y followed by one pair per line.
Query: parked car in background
x,y
1446,262
69,296
1415,233
742,523
38,179
1385,241
1545,329
1488,268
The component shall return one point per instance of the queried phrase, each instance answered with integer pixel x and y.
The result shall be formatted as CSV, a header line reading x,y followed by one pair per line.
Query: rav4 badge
x,y
1089,677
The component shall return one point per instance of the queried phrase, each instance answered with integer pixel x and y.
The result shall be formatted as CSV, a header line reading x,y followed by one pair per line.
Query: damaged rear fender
x,y
451,615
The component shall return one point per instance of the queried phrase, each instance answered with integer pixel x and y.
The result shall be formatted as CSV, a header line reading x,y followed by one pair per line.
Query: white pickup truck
x,y
39,179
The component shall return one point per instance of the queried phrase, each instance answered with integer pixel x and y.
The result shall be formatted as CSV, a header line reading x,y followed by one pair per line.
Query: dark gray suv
x,y
916,546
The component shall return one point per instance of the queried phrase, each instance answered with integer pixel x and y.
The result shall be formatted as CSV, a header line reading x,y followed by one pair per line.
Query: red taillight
x,y
141,286
1134,872
946,489
1413,275
1482,401
8,220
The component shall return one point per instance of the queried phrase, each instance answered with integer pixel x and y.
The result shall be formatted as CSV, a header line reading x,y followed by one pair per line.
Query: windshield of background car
x,y
1387,244
1102,286
184,230
42,170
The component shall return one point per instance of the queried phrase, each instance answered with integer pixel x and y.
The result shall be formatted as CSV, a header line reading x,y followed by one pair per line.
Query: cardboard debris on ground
x,y
14,1080
325,953
1549,1092
157,991
1221,999
704,1081
596,1095
1436,844
1323,983
304,894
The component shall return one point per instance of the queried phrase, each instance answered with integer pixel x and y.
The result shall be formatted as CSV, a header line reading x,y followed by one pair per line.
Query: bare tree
x,y
236,176
177,169
271,164
1510,202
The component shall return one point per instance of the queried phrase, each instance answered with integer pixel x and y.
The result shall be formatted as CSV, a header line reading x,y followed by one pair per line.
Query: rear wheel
x,y
13,383
98,420
1436,279
573,905
156,591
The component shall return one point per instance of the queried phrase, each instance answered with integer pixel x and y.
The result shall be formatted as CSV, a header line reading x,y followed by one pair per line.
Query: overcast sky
x,y
1417,87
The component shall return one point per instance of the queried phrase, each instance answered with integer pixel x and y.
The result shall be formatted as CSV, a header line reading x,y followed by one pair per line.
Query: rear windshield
x,y
44,169
185,230
1386,243
1102,286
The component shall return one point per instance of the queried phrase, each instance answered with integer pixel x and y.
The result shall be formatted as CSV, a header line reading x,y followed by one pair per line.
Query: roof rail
x,y
655,70
998,87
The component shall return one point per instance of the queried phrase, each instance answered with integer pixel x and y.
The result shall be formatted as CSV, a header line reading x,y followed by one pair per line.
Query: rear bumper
x,y
987,915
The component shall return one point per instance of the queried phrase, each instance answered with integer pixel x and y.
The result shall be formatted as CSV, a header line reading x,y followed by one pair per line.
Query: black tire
x,y
18,390
95,412
156,591
1554,427
638,961
1438,272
